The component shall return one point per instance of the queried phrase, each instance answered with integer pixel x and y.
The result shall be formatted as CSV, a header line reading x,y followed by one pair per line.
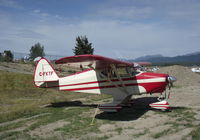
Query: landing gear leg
x,y
163,103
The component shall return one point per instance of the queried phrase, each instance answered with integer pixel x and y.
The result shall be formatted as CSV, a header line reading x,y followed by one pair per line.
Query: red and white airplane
x,y
104,75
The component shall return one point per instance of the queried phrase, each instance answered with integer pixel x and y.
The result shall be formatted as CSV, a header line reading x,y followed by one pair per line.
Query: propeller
x,y
171,80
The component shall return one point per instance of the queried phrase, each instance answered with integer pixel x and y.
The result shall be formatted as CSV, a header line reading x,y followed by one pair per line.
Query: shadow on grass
x,y
137,109
71,104
178,108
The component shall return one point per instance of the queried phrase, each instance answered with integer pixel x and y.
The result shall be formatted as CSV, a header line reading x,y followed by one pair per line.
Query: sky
x,y
116,28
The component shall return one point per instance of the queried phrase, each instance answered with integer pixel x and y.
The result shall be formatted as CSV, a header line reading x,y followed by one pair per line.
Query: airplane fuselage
x,y
90,81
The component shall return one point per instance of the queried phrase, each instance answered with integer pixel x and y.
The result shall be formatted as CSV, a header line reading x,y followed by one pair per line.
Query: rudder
x,y
45,74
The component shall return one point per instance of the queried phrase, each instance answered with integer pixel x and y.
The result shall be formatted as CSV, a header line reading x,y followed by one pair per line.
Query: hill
x,y
188,59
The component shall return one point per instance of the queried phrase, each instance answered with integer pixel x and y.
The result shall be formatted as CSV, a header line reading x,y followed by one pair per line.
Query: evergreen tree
x,y
83,46
8,56
36,51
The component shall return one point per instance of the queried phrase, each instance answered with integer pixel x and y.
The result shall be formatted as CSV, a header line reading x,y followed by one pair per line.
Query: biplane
x,y
103,75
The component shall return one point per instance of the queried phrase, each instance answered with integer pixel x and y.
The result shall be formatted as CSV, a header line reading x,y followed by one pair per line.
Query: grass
x,y
19,98
97,138
195,133
20,102
77,125
162,133
22,111
181,118
141,133
119,130
15,135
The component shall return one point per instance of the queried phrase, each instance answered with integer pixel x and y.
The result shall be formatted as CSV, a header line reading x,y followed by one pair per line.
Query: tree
x,y
83,46
36,50
7,56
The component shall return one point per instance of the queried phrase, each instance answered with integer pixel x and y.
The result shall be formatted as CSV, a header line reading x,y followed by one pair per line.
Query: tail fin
x,y
45,75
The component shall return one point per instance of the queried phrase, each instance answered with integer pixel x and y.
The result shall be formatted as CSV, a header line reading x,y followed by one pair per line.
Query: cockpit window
x,y
108,73
135,71
123,72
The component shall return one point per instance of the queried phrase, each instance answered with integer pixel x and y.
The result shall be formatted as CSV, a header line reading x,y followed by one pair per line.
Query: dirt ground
x,y
152,124
139,122
166,125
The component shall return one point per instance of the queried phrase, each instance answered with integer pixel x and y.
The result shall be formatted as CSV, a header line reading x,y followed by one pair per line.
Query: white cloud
x,y
118,33
10,4
44,14
109,38
36,11
40,13
127,12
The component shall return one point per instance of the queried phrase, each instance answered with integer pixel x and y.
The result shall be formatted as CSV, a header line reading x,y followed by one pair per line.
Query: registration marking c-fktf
x,y
49,73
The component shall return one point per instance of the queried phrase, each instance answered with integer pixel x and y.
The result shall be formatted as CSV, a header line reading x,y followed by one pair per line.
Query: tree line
x,y
83,46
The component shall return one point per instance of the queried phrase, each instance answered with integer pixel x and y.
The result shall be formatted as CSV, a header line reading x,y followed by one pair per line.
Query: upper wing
x,y
92,61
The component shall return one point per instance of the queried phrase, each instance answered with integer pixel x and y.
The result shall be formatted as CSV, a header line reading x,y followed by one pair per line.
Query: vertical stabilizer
x,y
44,74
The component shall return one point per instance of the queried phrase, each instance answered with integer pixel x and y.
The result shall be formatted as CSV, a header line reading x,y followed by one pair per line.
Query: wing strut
x,y
118,98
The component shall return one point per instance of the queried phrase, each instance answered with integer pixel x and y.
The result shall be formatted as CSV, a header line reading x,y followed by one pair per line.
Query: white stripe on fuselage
x,y
82,85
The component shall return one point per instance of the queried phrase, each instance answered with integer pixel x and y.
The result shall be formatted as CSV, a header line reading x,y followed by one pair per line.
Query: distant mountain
x,y
192,58
147,57
194,53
